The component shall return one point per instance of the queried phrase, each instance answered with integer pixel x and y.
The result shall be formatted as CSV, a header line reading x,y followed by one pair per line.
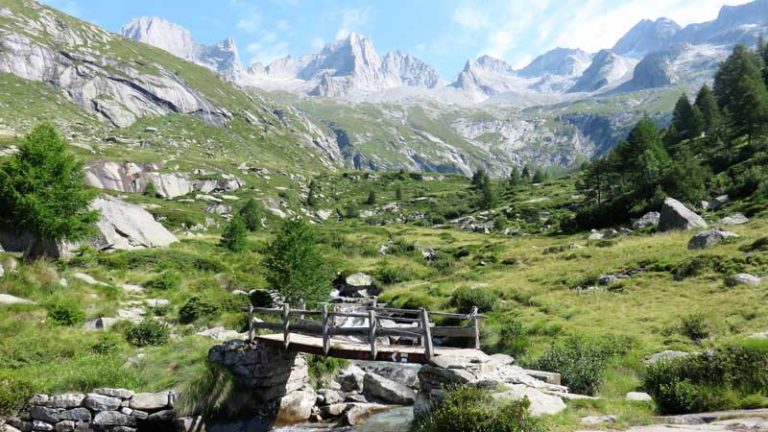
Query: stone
x,y
606,280
149,401
127,226
45,414
105,419
220,334
735,219
541,403
81,415
7,299
99,402
164,416
351,379
39,425
403,373
743,279
595,236
664,356
718,202
710,238
333,410
387,390
359,281
132,289
639,397
90,280
324,215
39,399
676,216
296,407
598,420
100,324
157,303
9,428
331,397
648,220
359,413
134,314
141,415
66,400
65,426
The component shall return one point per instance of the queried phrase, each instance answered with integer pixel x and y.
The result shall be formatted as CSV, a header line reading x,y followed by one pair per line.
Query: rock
x,y
735,219
595,236
124,226
131,314
331,397
676,216
115,392
220,334
639,397
45,414
296,407
219,209
149,401
106,419
333,410
100,324
384,389
359,413
710,238
541,403
90,280
209,198
9,428
743,279
648,220
157,303
77,414
606,280
403,373
39,425
38,399
664,356
66,400
7,299
598,420
98,402
164,416
355,283
324,215
65,426
718,202
352,379
133,289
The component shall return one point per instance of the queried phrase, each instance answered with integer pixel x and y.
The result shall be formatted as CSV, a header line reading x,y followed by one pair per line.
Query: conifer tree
x,y
741,92
515,177
234,236
371,200
399,193
250,213
150,190
312,194
687,120
707,106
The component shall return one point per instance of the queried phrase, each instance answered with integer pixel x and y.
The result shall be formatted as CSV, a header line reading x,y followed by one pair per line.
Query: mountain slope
x,y
646,37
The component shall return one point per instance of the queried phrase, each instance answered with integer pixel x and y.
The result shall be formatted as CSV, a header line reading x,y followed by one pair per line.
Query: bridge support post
x,y
476,326
429,350
286,325
250,323
326,335
372,332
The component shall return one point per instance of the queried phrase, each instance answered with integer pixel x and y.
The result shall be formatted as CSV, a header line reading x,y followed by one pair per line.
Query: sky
x,y
444,33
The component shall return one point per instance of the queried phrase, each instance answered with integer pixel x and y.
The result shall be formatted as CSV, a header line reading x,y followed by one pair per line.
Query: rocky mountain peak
x,y
558,62
409,70
492,64
646,37
607,68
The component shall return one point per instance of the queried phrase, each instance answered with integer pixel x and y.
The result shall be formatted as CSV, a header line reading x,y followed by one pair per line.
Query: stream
x,y
395,420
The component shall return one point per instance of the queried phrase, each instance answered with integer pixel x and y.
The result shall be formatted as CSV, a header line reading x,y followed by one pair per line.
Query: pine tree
x,y
539,176
641,160
399,193
741,92
235,235
312,194
487,196
526,173
294,265
250,213
150,190
371,200
687,178
479,178
515,177
710,112
750,112
43,192
687,120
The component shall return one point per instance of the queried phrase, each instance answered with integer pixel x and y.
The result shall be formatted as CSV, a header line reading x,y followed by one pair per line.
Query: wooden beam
x,y
429,350
286,325
372,332
326,334
250,323
476,326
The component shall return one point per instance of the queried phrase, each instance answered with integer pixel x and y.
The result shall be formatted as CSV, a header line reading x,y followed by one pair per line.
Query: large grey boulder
x,y
128,226
710,238
387,390
7,299
676,216
296,407
359,413
541,403
648,220
735,219
638,397
76,414
352,379
45,414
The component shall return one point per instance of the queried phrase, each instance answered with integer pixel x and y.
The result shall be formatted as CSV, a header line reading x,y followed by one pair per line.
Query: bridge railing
x,y
413,323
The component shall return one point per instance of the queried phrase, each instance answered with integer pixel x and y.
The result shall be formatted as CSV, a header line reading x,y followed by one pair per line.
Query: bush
x,y
150,190
389,275
148,332
196,308
168,281
463,299
235,235
250,213
322,369
469,409
209,393
513,337
14,393
581,361
66,312
729,377
695,327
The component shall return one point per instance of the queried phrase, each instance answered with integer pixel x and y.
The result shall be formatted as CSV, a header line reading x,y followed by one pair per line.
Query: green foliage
x,y
168,281
515,177
741,92
150,190
160,260
513,337
196,308
729,377
209,393
294,265
14,392
323,369
539,176
710,111
250,213
147,333
65,311
235,235
371,200
464,299
469,409
312,195
399,193
687,120
582,361
43,191
389,274
695,327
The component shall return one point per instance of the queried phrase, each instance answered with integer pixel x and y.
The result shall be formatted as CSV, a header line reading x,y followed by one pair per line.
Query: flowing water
x,y
394,420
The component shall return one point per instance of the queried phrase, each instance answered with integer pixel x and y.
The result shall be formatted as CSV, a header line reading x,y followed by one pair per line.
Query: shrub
x,y
469,409
209,393
148,332
235,235
729,377
389,275
196,308
66,312
463,299
14,392
150,190
695,327
323,369
513,337
250,213
581,361
168,281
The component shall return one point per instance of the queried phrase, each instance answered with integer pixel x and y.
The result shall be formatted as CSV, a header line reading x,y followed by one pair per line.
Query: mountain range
x,y
651,54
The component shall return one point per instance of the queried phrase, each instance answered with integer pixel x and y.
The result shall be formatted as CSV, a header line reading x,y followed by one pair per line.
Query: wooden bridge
x,y
313,332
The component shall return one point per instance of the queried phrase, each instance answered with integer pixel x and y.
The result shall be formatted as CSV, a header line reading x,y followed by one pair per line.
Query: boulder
x,y
164,416
150,401
66,426
77,414
333,410
743,279
664,356
39,425
359,413
38,399
387,390
639,397
403,373
710,238
100,324
220,334
735,219
598,420
98,402
718,202
105,419
128,226
676,216
115,392
648,220
330,396
296,407
90,280
7,299
541,403
351,379
45,414
66,400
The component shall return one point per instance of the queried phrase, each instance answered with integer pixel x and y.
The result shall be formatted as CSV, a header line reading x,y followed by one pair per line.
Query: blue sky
x,y
444,33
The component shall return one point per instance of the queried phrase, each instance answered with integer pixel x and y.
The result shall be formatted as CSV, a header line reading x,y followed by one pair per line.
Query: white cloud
x,y
267,48
470,16
251,23
353,20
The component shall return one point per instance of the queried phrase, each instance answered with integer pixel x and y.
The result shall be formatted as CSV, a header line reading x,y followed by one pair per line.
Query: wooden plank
x,y
326,335
400,311
286,325
372,331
